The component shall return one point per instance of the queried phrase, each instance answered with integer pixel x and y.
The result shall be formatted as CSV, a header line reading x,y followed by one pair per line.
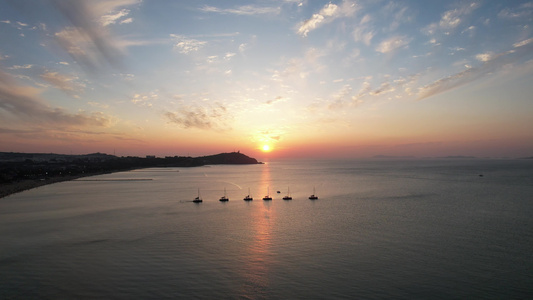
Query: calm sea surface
x,y
432,229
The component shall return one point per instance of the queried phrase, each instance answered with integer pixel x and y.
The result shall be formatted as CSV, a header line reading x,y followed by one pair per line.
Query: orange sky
x,y
342,79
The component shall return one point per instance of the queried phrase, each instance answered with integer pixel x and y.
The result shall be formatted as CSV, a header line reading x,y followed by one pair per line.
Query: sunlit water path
x,y
380,229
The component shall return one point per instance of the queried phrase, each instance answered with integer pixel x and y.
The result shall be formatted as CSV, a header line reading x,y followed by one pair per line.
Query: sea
x,y
380,229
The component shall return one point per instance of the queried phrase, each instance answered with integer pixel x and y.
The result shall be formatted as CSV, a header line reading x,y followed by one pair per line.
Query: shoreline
x,y
12,188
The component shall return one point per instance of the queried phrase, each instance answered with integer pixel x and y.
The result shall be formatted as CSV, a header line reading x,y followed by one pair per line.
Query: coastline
x,y
8,189
24,171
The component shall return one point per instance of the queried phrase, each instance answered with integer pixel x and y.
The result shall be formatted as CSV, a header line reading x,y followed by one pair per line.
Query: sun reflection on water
x,y
259,255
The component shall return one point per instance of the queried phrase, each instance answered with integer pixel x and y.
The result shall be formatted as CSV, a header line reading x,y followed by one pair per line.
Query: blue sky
x,y
346,78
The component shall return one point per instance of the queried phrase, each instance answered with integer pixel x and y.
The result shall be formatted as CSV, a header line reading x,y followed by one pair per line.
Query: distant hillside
x,y
392,156
233,158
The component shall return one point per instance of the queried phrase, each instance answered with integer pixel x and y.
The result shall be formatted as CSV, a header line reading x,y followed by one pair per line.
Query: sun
x,y
265,148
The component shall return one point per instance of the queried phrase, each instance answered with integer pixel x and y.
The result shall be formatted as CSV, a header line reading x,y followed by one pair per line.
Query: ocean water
x,y
382,229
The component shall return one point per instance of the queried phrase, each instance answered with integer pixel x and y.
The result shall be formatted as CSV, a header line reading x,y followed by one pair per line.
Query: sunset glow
x,y
342,78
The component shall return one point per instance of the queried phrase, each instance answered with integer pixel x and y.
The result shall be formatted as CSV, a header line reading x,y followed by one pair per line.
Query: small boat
x,y
314,196
288,196
198,199
248,197
267,197
224,198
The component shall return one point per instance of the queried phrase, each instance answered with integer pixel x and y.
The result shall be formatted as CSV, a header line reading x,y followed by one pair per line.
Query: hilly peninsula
x,y
23,171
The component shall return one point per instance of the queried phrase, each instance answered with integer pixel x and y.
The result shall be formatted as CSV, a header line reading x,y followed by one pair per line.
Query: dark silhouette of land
x,y
23,171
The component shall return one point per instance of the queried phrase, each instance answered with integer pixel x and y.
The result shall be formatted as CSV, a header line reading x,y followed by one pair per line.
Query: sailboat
x,y
248,197
288,196
314,196
224,198
198,199
267,197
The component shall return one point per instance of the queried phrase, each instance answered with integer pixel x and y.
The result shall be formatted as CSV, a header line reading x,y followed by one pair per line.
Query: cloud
x,y
109,19
300,67
268,136
89,42
277,99
145,100
206,118
485,56
362,34
186,45
17,67
452,18
244,10
90,51
23,102
97,104
523,11
126,21
523,43
62,82
327,14
392,44
243,47
340,99
384,88
491,64
229,55
397,14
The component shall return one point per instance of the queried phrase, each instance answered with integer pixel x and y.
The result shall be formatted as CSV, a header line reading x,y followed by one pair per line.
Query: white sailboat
x,y
313,196
198,199
267,197
248,197
288,196
224,198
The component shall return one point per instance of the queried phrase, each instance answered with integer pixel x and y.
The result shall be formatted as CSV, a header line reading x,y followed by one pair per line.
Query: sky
x,y
311,79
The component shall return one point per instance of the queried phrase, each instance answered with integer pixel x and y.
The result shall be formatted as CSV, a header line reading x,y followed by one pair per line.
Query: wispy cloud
x,y
523,11
23,102
63,82
89,42
491,63
245,10
363,32
206,118
327,14
269,136
17,67
300,67
523,43
393,43
485,56
341,98
186,45
145,100
452,18
115,17
275,100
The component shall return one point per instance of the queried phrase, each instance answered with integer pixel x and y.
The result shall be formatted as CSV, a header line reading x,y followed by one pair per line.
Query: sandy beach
x,y
7,189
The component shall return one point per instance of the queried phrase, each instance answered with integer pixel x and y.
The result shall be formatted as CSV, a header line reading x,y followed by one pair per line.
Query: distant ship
x,y
248,197
288,196
267,197
314,196
224,198
198,199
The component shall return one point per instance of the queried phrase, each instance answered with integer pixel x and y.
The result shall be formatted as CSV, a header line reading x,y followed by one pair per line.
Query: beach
x,y
10,188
